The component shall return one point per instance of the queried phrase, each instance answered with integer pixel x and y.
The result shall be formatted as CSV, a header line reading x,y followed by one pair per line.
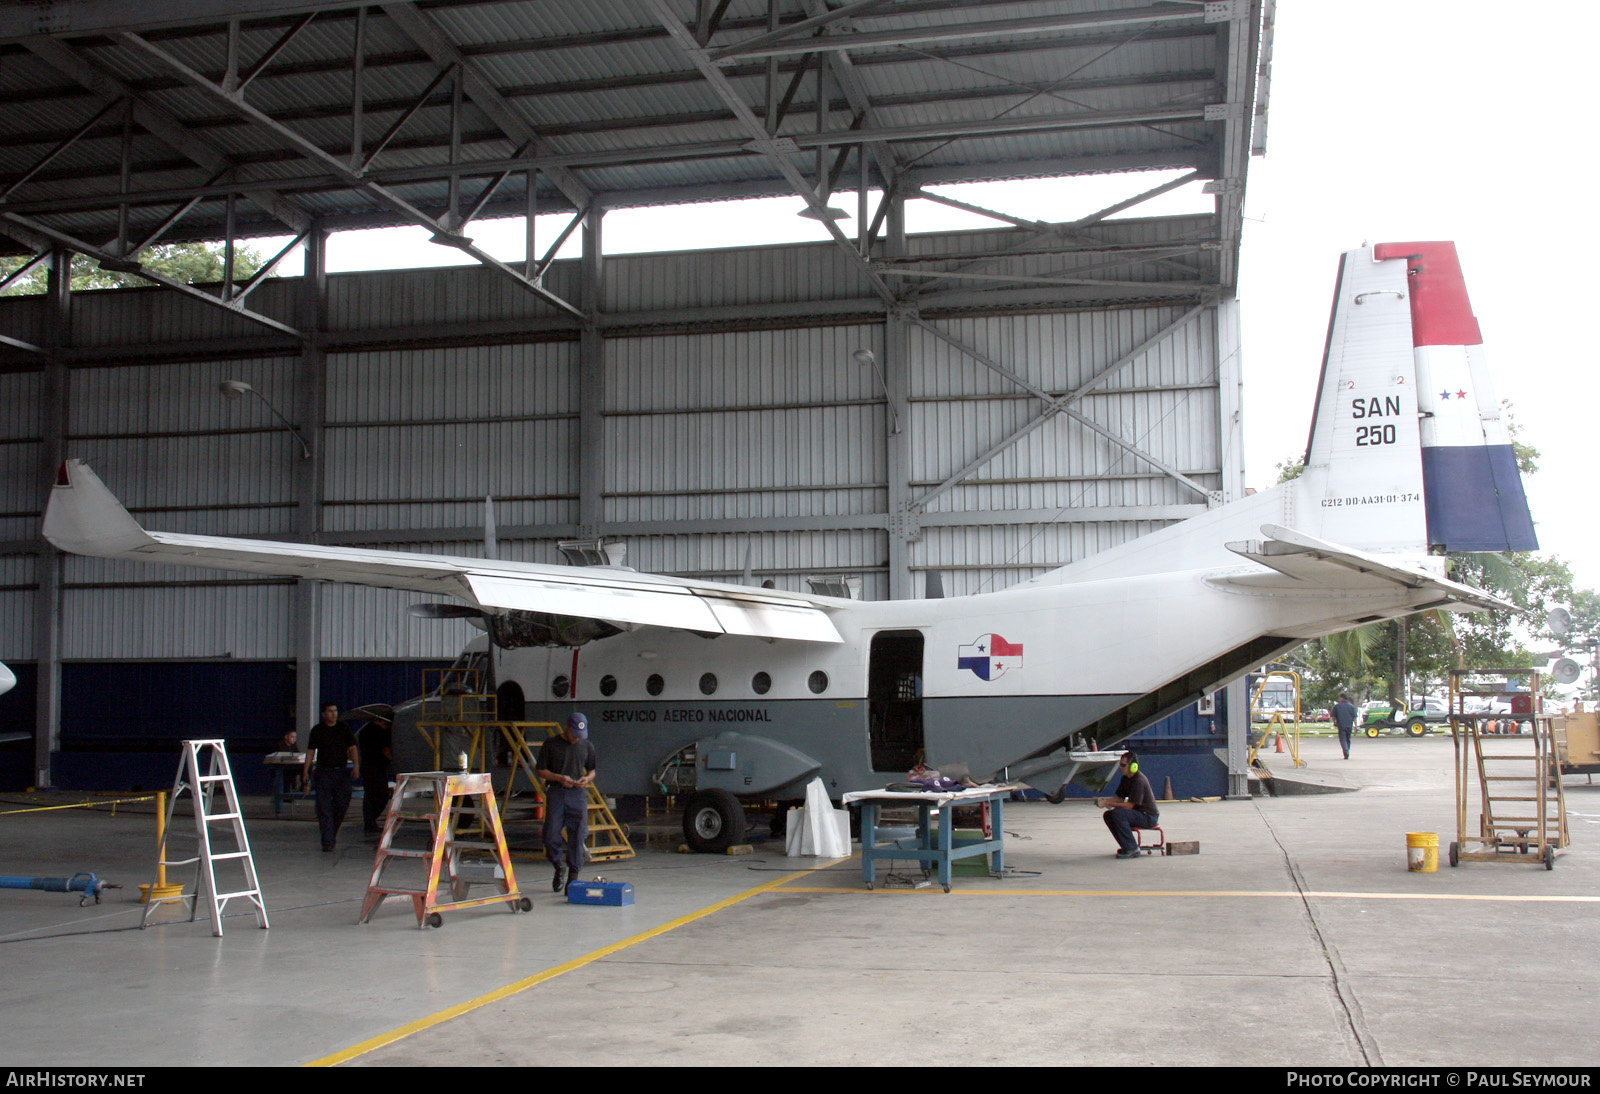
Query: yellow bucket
x,y
1422,852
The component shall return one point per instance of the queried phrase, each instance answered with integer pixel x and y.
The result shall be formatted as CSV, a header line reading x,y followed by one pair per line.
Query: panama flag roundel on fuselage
x,y
989,656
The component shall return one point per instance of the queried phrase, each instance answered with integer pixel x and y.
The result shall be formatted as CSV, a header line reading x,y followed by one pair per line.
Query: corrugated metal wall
x,y
418,438
19,454
738,430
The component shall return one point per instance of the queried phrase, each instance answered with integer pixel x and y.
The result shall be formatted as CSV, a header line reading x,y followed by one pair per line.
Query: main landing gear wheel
x,y
713,821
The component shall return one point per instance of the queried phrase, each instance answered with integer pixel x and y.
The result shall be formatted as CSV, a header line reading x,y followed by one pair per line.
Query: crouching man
x,y
1133,807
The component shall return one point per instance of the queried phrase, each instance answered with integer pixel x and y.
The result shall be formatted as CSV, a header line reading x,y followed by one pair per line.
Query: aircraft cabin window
x,y
708,684
760,683
608,685
558,687
817,682
655,684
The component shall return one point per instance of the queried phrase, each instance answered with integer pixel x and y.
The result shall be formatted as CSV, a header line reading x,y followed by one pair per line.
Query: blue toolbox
x,y
612,894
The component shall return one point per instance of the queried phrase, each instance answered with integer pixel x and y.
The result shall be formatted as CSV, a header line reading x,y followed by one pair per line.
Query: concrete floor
x,y
1296,936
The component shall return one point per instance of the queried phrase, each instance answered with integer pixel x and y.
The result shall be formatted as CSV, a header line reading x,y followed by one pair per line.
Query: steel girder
x,y
441,233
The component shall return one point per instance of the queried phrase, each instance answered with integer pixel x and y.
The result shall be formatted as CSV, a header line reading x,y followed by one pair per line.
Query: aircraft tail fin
x,y
1404,372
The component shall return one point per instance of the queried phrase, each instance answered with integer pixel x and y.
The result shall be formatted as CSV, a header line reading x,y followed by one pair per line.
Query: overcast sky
x,y
1389,122
1394,122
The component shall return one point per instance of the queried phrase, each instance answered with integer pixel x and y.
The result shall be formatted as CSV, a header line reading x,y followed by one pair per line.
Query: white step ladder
x,y
203,771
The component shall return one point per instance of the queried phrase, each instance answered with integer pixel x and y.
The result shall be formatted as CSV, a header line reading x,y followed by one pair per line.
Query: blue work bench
x,y
932,845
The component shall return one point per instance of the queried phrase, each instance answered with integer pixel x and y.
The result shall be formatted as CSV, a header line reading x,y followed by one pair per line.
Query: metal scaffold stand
x,y
1505,766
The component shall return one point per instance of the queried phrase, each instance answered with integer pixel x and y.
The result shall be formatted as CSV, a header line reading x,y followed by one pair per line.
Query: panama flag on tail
x,y
1473,491
990,656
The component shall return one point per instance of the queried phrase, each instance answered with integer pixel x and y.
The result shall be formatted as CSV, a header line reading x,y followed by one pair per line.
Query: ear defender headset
x,y
1133,764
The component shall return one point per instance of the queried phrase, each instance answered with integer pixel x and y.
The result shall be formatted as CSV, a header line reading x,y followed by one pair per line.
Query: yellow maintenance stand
x,y
460,718
1275,725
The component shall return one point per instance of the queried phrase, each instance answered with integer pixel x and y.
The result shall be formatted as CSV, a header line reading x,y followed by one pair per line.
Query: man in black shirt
x,y
332,744
376,742
1133,807
566,764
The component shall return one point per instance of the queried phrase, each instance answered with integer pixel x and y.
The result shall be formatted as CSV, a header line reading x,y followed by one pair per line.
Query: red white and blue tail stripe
x,y
1472,490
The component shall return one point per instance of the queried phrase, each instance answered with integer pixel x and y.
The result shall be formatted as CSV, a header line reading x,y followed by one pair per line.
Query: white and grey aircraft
x,y
756,691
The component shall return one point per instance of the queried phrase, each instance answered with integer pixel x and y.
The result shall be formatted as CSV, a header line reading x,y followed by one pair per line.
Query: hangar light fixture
x,y
237,389
866,357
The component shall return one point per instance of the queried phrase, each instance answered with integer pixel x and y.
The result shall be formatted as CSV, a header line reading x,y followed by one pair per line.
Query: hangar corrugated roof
x,y
112,118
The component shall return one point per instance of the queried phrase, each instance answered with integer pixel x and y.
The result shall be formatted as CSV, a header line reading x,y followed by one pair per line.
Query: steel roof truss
x,y
242,291
810,28
22,270
1070,230
123,264
707,19
159,124
761,142
488,192
313,151
60,147
233,81
993,28
427,34
1065,277
550,252
547,163
399,123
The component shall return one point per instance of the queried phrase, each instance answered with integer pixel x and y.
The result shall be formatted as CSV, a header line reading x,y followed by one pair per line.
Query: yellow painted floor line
x,y
527,982
1252,893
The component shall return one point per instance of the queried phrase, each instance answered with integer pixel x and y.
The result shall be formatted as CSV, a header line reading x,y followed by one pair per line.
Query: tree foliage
x,y
1362,660
190,263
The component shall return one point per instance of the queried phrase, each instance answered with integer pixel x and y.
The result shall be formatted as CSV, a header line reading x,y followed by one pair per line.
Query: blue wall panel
x,y
1181,747
357,683
121,721
17,708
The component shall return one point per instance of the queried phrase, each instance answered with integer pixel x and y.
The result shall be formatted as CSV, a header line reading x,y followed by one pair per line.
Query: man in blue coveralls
x,y
566,764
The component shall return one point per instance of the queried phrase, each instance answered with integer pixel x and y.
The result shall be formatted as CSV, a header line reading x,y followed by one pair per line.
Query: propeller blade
x,y
445,611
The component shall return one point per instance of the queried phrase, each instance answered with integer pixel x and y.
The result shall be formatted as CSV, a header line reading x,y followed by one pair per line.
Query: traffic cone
x,y
1279,746
1166,789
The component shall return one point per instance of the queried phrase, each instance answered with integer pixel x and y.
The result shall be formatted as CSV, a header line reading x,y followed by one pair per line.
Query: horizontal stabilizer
x,y
85,518
1330,566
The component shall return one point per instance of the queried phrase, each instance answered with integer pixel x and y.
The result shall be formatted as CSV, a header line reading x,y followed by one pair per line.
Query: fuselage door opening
x,y
894,700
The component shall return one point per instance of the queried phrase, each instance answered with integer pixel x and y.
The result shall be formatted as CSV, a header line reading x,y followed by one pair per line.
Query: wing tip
x,y
83,517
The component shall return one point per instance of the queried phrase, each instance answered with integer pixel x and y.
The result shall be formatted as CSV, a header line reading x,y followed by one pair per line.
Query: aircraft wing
x,y
85,518
1329,566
